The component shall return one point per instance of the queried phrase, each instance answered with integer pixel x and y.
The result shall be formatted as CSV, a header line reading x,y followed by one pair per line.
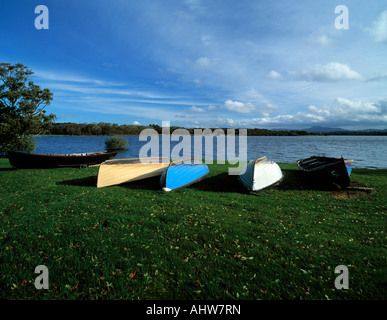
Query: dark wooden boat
x,y
334,170
25,160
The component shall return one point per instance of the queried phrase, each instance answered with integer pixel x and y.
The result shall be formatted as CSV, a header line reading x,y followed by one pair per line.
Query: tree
x,y
156,127
115,143
22,113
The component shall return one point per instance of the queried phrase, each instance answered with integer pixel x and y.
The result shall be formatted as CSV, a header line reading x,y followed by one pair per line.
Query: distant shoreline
x,y
108,129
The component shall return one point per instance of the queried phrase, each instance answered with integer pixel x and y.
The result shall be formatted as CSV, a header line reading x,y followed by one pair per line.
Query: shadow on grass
x,y
298,180
223,182
220,183
82,182
146,184
292,180
152,183
6,169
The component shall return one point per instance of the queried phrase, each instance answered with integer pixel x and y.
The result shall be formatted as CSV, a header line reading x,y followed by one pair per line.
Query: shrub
x,y
26,143
115,143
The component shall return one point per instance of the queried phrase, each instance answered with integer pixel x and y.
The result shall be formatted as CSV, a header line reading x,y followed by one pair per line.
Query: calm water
x,y
366,151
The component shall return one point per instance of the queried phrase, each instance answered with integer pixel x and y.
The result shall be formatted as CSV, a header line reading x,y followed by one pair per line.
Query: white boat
x,y
260,174
118,171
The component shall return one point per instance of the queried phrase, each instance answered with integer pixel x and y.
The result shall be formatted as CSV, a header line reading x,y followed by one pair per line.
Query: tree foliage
x,y
115,143
22,106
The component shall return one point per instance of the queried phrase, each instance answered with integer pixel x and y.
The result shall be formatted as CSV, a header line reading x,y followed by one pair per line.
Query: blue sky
x,y
213,63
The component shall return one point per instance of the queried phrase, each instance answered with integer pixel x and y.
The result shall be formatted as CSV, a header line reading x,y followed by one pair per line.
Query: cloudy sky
x,y
213,63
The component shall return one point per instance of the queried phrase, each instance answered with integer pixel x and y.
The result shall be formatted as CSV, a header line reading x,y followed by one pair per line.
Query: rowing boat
x,y
177,176
260,174
118,171
333,170
25,160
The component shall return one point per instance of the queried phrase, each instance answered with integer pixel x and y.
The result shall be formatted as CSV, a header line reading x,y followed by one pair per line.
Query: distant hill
x,y
373,130
319,129
316,129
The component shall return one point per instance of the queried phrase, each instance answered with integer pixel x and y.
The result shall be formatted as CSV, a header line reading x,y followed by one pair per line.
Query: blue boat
x,y
177,176
348,165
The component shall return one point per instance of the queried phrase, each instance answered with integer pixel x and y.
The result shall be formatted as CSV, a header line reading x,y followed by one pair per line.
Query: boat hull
x,y
24,160
179,176
332,170
260,174
114,172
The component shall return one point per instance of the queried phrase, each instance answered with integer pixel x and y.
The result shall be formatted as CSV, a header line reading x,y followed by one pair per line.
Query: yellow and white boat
x,y
118,171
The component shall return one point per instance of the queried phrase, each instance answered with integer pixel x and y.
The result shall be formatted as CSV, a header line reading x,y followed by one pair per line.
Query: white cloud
x,y
194,5
265,110
333,71
324,36
136,123
342,112
203,62
95,90
270,106
71,77
206,39
197,109
274,75
212,108
379,30
230,122
239,107
345,106
322,40
378,77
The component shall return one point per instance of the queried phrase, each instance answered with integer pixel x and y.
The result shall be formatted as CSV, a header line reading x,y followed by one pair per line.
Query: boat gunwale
x,y
115,161
63,155
313,164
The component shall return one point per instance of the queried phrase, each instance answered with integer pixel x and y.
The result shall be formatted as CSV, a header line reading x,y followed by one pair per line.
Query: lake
x,y
366,151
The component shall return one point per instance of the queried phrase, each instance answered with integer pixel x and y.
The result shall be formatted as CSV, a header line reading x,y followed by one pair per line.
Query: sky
x,y
206,63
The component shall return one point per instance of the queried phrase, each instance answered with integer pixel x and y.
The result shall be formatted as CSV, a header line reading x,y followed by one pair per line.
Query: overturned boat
x,y
259,174
327,169
179,175
118,171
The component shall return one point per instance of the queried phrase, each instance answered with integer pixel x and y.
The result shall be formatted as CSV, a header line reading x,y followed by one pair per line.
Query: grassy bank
x,y
209,241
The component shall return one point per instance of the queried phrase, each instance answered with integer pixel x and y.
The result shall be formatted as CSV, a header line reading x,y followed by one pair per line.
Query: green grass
x,y
212,240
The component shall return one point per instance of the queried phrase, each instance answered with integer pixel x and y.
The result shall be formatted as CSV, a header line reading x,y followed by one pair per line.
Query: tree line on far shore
x,y
109,129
